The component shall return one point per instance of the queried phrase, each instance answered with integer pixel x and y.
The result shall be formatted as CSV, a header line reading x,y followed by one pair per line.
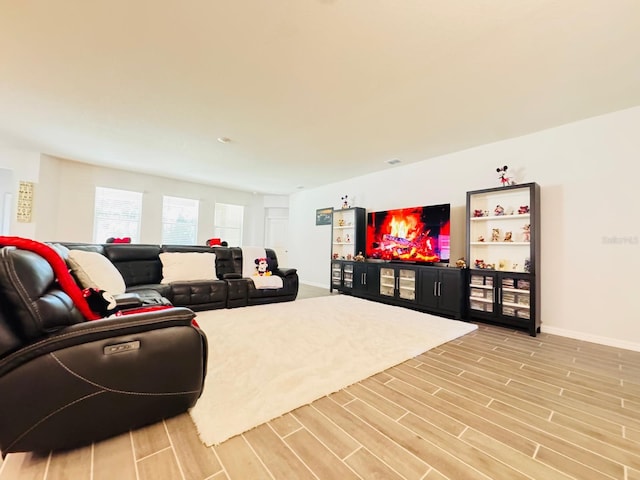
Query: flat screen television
x,y
417,234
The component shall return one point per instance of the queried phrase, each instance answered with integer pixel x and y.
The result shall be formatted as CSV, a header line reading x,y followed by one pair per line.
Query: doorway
x,y
276,232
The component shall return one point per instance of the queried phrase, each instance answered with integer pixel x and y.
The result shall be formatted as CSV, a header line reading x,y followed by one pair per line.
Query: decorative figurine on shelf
x,y
347,238
495,234
527,265
345,201
359,257
523,209
461,263
498,211
336,256
508,237
514,267
338,239
526,233
504,179
349,256
480,238
484,266
341,222
478,213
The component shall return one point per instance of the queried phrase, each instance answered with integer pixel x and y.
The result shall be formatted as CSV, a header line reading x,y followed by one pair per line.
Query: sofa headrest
x,y
30,297
87,247
272,258
228,260
127,252
188,248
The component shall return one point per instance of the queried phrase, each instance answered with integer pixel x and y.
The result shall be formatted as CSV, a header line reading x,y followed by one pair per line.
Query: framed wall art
x,y
323,216
25,202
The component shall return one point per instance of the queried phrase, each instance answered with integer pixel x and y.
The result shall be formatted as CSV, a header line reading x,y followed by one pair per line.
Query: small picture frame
x,y
324,216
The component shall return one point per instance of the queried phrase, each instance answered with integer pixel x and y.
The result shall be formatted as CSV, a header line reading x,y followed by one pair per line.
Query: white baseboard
x,y
611,342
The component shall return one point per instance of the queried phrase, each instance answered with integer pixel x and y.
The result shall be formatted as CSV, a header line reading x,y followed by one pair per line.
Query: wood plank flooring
x,y
494,404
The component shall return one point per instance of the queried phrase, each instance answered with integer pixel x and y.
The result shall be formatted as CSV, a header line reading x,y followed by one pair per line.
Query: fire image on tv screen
x,y
418,234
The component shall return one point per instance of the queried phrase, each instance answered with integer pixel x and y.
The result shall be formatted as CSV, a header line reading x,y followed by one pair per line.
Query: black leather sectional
x,y
141,268
66,382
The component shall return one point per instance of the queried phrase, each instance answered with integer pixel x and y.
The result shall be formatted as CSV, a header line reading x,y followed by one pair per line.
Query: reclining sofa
x,y
66,381
141,268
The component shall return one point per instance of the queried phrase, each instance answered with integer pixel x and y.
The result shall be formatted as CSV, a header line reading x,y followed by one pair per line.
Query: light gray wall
x,y
588,172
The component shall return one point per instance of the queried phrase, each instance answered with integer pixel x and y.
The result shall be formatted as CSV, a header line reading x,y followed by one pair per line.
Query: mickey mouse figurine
x,y
504,179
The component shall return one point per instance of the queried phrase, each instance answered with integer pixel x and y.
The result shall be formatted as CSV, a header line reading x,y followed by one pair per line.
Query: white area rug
x,y
267,360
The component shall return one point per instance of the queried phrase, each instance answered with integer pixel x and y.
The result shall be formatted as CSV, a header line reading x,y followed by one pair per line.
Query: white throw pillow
x,y
186,266
94,270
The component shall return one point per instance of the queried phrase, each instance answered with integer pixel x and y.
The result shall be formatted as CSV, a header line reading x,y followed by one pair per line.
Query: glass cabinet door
x,y
407,284
347,275
516,297
336,274
387,282
481,292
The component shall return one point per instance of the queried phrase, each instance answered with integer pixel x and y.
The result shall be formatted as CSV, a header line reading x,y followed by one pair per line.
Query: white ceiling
x,y
309,91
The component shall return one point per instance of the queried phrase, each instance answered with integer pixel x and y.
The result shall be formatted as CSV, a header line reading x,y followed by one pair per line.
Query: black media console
x,y
428,288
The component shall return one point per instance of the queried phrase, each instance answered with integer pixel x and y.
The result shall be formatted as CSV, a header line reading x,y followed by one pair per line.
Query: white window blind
x,y
228,223
117,213
179,220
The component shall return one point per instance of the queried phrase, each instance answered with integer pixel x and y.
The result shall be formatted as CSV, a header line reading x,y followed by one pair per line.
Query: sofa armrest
x,y
128,300
286,272
144,367
104,328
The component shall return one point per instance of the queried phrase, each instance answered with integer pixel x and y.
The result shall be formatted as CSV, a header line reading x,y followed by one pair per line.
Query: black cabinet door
x,y
429,288
450,288
441,290
372,279
360,283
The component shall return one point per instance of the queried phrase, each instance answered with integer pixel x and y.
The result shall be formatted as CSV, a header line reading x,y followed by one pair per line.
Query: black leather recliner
x,y
66,382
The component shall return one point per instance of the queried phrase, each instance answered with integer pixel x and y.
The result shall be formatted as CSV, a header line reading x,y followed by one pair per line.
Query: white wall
x,y
25,167
587,171
67,201
7,191
590,248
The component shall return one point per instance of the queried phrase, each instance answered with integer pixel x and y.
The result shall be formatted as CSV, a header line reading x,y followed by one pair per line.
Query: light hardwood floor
x,y
494,404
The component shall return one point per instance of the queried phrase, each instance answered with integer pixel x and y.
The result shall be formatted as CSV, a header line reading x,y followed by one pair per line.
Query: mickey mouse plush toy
x,y
100,302
262,267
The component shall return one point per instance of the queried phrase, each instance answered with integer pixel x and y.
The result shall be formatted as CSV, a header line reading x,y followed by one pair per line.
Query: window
x,y
117,213
227,224
179,221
